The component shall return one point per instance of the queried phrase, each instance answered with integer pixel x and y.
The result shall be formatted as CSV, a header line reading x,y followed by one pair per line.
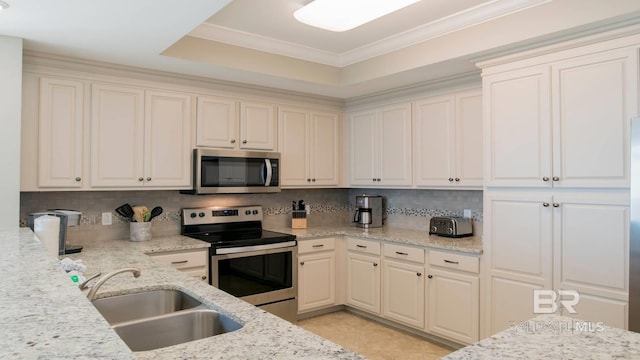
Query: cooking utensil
x,y
155,212
139,213
126,211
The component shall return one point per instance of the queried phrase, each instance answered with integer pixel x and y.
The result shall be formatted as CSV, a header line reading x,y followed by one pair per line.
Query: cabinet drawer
x,y
454,261
182,260
315,245
364,246
403,253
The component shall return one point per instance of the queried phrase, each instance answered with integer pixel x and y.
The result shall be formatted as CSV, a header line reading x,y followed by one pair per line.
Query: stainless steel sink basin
x,y
172,329
122,308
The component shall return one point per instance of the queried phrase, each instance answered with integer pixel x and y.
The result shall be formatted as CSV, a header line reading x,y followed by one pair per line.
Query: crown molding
x,y
455,22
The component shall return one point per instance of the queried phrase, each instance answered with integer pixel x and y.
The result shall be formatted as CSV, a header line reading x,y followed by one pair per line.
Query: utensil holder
x,y
140,231
299,219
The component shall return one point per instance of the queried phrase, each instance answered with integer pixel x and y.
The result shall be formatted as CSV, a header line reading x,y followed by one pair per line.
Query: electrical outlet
x,y
308,209
467,213
106,218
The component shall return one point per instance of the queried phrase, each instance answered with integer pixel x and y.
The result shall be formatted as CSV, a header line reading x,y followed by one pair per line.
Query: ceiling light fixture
x,y
343,15
3,5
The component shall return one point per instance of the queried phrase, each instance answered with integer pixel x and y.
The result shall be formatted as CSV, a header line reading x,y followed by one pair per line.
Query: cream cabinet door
x,y
167,139
257,126
394,150
594,98
216,122
117,136
363,282
403,293
363,148
469,145
325,149
316,280
60,133
294,140
454,305
517,128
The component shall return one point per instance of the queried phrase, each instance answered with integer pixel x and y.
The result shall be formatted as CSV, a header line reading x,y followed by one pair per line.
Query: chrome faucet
x,y
102,280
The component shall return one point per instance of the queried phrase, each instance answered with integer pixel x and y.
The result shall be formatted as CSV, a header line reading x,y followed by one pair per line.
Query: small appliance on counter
x,y
369,211
449,226
51,228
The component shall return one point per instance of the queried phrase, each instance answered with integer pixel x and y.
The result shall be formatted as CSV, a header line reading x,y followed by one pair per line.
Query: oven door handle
x,y
242,249
267,165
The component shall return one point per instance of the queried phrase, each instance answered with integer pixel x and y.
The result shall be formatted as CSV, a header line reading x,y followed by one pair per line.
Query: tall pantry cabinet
x,y
556,198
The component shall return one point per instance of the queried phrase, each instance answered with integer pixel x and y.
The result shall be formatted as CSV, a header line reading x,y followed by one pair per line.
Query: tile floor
x,y
372,339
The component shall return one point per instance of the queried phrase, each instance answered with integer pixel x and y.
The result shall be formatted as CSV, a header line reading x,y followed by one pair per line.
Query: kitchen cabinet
x,y
316,274
447,140
562,124
363,274
309,150
556,240
380,146
230,124
454,296
403,285
194,263
60,133
140,138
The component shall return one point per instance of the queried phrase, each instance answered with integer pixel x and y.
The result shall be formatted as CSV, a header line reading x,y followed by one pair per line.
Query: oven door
x,y
260,277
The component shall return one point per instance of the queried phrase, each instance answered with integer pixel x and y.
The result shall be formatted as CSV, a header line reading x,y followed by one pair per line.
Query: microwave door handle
x,y
267,164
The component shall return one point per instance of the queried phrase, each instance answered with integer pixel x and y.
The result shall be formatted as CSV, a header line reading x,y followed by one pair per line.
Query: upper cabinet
x,y
548,126
60,133
447,141
140,138
226,123
380,146
308,143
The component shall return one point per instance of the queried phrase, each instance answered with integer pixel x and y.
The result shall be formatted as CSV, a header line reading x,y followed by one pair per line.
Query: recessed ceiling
x,y
259,42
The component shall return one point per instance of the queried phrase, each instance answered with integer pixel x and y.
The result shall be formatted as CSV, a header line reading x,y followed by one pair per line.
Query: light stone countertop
x,y
44,315
470,245
554,337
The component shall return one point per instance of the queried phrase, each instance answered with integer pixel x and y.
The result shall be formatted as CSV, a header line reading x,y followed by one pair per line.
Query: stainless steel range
x,y
255,265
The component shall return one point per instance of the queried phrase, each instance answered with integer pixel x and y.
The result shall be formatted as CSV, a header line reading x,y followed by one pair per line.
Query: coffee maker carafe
x,y
369,211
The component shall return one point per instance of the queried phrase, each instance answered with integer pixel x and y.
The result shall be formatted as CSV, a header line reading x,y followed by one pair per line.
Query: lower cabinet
x,y
454,296
363,274
194,263
403,285
316,274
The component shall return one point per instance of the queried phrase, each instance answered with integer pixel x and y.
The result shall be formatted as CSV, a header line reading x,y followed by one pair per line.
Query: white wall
x,y
10,110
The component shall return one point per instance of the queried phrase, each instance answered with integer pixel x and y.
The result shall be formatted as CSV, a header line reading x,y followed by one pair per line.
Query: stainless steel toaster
x,y
450,226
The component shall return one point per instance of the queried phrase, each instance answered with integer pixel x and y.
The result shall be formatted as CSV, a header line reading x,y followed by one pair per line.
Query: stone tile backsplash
x,y
406,208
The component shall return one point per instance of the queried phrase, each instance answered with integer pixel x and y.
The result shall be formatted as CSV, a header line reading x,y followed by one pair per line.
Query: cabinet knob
x,y
430,276
375,264
301,262
78,179
379,179
546,178
556,205
233,141
555,178
244,141
374,179
450,179
308,180
148,179
140,179
203,277
419,274
457,179
545,204
313,180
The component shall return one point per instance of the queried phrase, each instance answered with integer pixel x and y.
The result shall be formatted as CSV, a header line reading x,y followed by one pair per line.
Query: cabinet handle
x,y
450,179
375,264
140,179
361,246
244,141
179,262
233,141
203,277
308,180
451,262
374,179
556,205
318,245
401,253
148,179
78,179
419,274
430,276
457,179
545,204
546,178
378,179
313,180
301,263
555,178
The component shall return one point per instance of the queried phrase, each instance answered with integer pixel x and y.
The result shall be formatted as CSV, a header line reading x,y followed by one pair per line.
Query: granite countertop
x,y
471,245
554,337
44,315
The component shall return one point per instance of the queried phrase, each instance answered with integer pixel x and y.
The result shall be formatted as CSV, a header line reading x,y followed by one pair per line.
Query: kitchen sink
x,y
173,329
146,304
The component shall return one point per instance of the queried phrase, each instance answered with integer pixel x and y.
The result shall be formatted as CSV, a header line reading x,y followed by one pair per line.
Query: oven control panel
x,y
216,215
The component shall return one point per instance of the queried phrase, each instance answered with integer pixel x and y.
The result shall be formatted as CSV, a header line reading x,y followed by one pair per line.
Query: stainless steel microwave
x,y
235,172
